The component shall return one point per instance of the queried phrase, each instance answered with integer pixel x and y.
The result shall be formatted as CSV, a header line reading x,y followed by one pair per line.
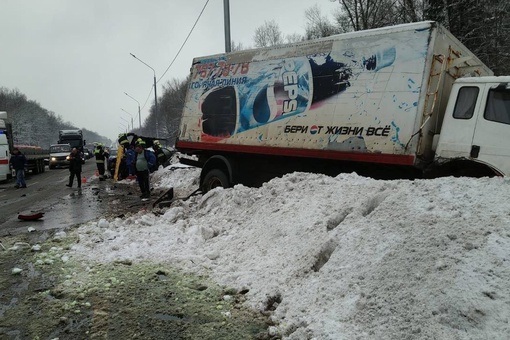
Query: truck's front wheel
x,y
215,178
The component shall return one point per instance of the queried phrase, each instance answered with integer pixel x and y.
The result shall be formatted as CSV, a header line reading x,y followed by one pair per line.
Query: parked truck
x,y
406,101
72,137
35,155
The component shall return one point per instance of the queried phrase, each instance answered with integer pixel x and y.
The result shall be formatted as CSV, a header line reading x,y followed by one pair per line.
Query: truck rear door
x,y
4,157
491,140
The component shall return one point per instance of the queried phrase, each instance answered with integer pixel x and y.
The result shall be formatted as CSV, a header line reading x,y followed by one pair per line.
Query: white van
x,y
5,172
59,155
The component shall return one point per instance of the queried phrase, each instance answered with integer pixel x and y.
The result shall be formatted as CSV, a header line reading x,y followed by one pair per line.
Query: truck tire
x,y
38,167
215,178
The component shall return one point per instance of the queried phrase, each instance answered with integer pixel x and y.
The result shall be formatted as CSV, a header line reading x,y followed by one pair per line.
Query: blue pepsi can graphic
x,y
270,91
234,99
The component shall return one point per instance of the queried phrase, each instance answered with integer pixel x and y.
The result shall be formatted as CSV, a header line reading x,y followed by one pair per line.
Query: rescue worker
x,y
160,154
129,154
123,140
18,162
75,162
101,158
145,160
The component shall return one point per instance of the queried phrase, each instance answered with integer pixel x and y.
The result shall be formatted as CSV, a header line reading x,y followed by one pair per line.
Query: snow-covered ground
x,y
337,258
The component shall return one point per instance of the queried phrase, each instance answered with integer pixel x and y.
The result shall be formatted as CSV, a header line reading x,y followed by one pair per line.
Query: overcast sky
x,y
72,57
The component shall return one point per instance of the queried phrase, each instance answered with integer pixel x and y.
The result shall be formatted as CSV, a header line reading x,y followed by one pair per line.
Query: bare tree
x,y
293,38
483,26
410,11
318,25
171,106
237,46
366,14
268,34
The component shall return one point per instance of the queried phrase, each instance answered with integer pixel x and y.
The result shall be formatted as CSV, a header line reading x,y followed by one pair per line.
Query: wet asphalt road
x,y
47,192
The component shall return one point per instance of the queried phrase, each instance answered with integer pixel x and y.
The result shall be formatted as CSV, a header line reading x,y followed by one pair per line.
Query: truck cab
x,y
475,136
72,137
59,155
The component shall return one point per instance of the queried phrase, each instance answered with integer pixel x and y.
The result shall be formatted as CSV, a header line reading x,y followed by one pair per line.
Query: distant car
x,y
87,154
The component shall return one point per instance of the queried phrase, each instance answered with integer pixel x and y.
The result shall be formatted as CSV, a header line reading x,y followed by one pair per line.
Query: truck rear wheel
x,y
215,178
36,167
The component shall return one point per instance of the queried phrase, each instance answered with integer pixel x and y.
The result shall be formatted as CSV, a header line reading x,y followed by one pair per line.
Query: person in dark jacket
x,y
75,162
144,161
18,162
101,157
130,158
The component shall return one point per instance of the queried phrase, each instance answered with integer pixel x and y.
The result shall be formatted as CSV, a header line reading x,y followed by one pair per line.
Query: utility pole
x,y
226,10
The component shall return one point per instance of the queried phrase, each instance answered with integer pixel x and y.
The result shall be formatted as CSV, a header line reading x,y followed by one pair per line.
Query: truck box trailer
x,y
35,155
404,101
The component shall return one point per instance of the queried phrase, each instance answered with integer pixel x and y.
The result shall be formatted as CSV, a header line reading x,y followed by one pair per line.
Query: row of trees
x,y
483,26
35,125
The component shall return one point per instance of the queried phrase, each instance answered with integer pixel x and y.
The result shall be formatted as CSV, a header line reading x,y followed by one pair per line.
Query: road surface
x,y
47,192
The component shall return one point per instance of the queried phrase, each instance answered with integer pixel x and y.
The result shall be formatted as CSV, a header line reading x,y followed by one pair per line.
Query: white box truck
x,y
405,101
35,155
5,155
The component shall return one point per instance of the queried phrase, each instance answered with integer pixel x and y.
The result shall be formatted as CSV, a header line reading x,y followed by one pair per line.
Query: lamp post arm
x,y
139,115
127,121
134,56
155,94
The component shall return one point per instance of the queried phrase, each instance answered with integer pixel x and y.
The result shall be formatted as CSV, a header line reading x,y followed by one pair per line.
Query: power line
x,y
184,43
178,52
146,100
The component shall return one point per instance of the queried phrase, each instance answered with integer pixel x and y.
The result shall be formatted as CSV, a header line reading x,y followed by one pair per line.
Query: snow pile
x,y
338,258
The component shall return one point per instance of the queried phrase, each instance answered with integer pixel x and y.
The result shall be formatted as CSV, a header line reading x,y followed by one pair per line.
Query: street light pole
x,y
155,92
127,121
124,126
226,15
139,117
132,126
